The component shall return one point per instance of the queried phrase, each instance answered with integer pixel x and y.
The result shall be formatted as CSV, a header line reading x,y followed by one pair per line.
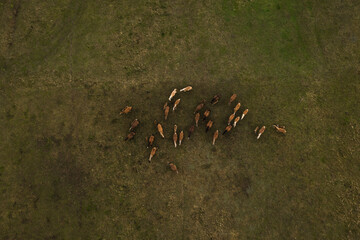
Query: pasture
x,y
67,69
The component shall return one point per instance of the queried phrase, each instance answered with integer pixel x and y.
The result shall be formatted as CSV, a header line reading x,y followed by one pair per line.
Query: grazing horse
x,y
172,94
200,106
209,125
175,137
126,110
244,113
173,167
206,114
181,137
152,153
280,129
176,104
216,135
186,89
236,120
166,112
232,98
130,136
237,107
231,118
151,140
160,129
261,131
134,124
227,129
197,116
215,99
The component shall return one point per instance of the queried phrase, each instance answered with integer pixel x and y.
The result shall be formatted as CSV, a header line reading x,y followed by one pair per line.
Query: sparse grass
x,y
68,67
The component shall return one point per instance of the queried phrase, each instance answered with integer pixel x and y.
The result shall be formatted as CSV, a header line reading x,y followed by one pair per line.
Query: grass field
x,y
67,68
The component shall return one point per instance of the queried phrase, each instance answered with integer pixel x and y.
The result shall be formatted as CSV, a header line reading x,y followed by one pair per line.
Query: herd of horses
x,y
177,139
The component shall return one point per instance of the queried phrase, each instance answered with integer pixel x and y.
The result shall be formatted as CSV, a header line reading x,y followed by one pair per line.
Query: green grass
x,y
67,68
